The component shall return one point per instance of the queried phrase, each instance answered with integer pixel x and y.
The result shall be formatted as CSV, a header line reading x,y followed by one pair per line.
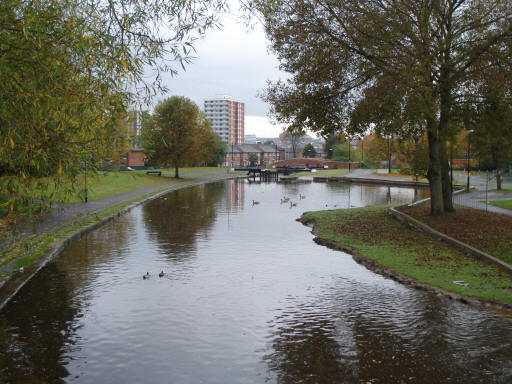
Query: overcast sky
x,y
231,61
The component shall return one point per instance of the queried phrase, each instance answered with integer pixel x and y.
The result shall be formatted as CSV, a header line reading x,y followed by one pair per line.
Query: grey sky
x,y
235,62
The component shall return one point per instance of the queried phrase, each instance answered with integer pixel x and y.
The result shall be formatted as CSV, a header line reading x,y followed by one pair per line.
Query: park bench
x,y
159,173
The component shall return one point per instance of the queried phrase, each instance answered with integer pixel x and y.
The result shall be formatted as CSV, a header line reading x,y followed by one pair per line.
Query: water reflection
x,y
340,337
247,298
36,328
175,221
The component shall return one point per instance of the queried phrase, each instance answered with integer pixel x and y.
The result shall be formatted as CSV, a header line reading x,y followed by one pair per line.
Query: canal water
x,y
246,297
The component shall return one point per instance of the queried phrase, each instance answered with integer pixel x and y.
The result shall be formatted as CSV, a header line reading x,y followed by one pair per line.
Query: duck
x,y
301,196
292,204
255,202
146,276
161,274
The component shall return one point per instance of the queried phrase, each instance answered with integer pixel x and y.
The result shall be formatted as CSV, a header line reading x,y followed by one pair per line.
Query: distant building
x,y
227,117
238,155
250,139
135,157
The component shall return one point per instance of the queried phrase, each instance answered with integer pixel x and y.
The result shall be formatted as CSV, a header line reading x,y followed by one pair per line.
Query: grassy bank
x,y
324,173
507,204
487,231
104,184
373,234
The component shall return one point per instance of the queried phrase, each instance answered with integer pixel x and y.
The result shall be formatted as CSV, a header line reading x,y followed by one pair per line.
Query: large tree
x,y
178,133
69,70
404,55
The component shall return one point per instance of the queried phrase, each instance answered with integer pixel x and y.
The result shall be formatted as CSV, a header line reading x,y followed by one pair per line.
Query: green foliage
x,y
331,141
396,68
253,159
178,133
217,152
309,150
70,68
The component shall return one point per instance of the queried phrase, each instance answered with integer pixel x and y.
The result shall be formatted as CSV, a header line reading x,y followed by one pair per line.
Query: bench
x,y
159,173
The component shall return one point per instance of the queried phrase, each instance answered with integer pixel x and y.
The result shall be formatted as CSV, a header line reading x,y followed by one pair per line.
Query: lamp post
x,y
232,160
85,186
469,155
349,145
362,149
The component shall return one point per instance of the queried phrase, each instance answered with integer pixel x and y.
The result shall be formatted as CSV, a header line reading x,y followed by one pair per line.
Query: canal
x,y
246,297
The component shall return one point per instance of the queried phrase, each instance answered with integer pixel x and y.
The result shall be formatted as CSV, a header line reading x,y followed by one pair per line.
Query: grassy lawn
x,y
324,173
507,204
490,232
104,184
374,234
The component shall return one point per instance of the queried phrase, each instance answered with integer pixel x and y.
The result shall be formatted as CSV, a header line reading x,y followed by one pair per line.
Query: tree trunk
x,y
442,131
176,174
434,172
498,179
445,178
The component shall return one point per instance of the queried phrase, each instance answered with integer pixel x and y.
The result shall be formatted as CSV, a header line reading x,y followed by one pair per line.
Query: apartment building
x,y
227,117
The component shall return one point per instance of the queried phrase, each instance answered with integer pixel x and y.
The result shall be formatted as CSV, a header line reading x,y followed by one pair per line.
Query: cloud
x,y
232,61
261,126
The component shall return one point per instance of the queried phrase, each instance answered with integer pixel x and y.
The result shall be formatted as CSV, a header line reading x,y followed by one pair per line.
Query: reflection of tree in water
x,y
37,328
175,220
306,350
419,340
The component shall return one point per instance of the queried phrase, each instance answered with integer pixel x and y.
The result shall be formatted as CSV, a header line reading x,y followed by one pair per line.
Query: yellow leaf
x,y
125,64
12,142
59,171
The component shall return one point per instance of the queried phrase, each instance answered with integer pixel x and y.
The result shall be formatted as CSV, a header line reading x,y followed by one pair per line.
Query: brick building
x,y
238,155
227,117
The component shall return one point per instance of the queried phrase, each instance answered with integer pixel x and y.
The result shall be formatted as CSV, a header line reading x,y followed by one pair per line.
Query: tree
x,y
309,150
292,136
217,152
69,70
330,144
178,133
253,159
400,56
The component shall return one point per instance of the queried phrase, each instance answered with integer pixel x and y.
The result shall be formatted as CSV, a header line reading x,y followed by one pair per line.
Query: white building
x,y
250,139
227,117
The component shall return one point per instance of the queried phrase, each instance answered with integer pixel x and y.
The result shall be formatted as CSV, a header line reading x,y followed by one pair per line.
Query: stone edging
x,y
14,283
394,211
398,183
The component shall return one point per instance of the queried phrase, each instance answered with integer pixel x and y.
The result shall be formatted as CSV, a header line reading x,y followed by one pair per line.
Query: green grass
x,y
324,173
507,204
104,184
374,234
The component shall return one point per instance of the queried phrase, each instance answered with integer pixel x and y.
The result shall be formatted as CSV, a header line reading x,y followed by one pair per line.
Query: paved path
x,y
61,216
474,199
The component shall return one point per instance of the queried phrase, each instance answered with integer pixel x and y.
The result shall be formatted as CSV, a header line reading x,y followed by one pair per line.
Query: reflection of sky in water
x,y
247,297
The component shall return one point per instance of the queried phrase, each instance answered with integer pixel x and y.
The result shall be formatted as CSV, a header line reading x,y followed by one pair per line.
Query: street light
x,y
349,145
85,185
469,149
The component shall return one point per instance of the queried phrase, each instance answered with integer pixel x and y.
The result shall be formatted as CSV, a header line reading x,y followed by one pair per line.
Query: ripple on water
x,y
247,297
